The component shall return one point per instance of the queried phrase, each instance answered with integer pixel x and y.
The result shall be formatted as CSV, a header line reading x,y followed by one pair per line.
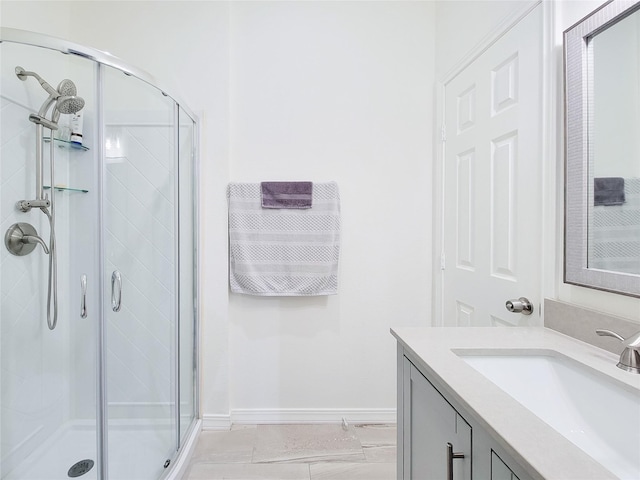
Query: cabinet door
x,y
430,423
500,470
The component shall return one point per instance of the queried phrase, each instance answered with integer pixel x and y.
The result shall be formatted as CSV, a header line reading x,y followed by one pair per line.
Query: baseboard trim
x,y
216,422
307,416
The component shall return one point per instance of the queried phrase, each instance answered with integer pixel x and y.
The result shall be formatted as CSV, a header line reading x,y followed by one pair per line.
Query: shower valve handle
x,y
21,239
37,240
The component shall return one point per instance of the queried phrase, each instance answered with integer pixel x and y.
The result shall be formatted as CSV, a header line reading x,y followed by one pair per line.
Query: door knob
x,y
521,305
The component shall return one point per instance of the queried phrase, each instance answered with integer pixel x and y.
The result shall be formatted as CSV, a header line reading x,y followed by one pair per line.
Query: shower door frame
x,y
101,59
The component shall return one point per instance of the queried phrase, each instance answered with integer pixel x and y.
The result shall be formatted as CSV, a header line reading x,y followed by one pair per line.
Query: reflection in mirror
x,y
614,154
602,90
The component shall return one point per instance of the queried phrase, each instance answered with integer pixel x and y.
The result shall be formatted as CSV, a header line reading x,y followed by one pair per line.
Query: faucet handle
x,y
632,342
609,333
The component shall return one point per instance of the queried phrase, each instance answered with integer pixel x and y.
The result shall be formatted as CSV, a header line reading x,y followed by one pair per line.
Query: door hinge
x,y
443,133
442,261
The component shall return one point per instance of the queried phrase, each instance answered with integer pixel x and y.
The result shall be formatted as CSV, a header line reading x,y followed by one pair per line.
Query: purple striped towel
x,y
286,194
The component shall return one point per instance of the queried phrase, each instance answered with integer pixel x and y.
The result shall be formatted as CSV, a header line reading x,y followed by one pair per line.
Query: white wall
x,y
335,91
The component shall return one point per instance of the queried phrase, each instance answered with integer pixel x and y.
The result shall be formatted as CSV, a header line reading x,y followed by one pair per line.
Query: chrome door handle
x,y
450,457
83,296
116,291
521,305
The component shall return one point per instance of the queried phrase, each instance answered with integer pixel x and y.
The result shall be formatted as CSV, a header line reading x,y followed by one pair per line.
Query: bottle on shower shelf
x,y
76,128
64,130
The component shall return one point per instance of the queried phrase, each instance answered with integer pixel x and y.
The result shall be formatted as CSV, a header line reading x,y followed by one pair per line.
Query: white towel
x,y
283,252
614,233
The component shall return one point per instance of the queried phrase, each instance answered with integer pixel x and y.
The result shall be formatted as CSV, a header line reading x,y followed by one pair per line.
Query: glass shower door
x,y
47,376
139,272
188,272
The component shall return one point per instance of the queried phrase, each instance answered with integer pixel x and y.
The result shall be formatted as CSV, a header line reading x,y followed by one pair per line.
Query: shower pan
x,y
98,271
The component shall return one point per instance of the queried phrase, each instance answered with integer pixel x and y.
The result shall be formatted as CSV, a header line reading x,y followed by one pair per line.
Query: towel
x,y
286,194
608,191
614,233
283,252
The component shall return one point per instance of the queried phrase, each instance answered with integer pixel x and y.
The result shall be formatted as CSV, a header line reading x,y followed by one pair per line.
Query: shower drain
x,y
80,468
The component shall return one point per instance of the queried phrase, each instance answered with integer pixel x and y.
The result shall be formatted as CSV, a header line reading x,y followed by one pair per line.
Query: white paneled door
x,y
492,182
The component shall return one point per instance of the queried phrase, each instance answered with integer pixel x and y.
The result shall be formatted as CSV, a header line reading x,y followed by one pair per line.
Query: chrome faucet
x,y
630,356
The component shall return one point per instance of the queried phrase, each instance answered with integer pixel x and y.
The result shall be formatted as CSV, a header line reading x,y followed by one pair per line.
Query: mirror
x,y
602,107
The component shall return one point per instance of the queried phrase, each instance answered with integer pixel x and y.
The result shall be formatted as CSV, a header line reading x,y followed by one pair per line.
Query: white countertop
x,y
540,449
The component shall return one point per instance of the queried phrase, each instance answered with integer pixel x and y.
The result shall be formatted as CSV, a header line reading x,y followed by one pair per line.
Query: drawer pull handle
x,y
450,457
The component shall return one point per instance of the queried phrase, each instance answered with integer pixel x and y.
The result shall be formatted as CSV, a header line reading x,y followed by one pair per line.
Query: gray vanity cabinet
x,y
434,433
429,420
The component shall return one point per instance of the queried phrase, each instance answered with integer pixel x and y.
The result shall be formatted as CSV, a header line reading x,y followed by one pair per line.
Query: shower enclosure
x,y
109,389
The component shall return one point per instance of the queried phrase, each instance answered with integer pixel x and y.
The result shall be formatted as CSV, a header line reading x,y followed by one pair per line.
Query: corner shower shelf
x,y
66,144
66,189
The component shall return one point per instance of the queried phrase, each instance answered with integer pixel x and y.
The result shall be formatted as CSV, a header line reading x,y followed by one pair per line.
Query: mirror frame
x,y
578,196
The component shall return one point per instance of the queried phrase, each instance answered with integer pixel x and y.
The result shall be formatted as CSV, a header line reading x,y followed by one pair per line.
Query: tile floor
x,y
296,452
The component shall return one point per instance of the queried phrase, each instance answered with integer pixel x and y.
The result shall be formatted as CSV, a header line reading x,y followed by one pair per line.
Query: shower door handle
x,y
83,296
116,291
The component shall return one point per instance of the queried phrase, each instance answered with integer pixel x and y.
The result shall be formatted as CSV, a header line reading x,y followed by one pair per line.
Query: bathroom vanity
x,y
513,403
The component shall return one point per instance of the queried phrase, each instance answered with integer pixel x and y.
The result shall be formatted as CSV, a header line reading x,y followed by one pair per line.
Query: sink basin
x,y
596,413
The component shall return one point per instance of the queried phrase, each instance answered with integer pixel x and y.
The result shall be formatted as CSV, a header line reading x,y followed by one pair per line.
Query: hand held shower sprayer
x,y
64,100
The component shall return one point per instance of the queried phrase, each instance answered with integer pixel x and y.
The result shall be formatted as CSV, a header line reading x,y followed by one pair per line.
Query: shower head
x,y
69,104
66,104
64,96
67,88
